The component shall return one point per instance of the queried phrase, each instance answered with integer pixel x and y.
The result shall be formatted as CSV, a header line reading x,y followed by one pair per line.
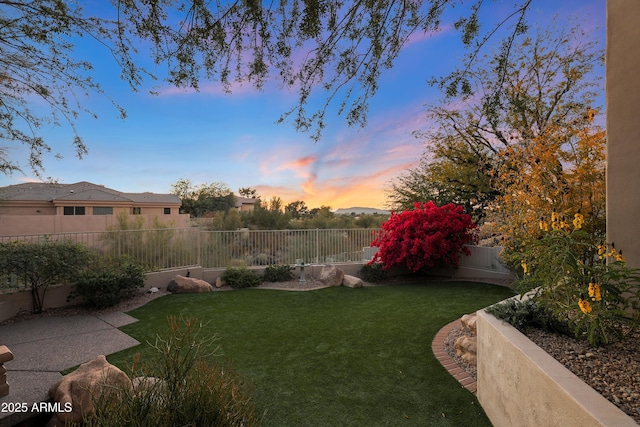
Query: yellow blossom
x,y
584,305
578,220
544,226
525,267
555,221
619,257
594,292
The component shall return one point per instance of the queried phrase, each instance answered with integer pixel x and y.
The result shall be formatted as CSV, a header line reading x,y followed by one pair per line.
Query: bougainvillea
x,y
427,236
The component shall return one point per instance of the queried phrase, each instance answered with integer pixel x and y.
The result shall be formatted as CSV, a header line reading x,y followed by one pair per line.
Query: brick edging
x,y
437,346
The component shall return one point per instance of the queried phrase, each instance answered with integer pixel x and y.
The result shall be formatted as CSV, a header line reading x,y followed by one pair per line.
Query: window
x,y
103,210
167,211
73,210
136,211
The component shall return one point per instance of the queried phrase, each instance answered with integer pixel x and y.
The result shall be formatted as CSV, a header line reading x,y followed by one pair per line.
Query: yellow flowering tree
x,y
584,282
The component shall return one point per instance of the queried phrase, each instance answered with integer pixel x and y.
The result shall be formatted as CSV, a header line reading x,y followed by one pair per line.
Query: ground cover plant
x,y
335,356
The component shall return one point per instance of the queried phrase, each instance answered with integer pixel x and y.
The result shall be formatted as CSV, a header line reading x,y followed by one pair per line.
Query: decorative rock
x,y
79,388
153,290
331,275
219,282
469,324
467,348
352,281
183,285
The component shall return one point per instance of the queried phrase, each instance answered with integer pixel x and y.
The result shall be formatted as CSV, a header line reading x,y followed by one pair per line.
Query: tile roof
x,y
80,191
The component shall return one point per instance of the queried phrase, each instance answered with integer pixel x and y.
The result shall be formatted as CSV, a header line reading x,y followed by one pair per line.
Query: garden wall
x,y
519,384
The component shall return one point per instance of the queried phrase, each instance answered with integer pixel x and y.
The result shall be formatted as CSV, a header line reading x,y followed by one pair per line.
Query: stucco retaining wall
x,y
519,384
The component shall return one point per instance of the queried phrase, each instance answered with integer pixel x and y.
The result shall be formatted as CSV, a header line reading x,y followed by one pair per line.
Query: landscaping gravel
x,y
613,371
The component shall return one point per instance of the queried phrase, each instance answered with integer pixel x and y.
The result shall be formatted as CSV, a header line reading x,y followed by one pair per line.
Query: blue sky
x,y
214,137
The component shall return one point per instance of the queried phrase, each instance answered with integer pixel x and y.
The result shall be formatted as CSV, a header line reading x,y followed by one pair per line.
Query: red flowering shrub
x,y
424,237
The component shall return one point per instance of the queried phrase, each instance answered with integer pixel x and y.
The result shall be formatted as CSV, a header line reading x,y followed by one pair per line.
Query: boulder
x,y
219,282
352,281
183,285
467,348
81,386
469,324
331,275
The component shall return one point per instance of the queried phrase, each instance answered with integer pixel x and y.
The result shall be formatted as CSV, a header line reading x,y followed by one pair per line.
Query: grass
x,y
336,356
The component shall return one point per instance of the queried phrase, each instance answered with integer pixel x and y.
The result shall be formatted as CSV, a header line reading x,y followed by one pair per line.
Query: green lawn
x,y
336,356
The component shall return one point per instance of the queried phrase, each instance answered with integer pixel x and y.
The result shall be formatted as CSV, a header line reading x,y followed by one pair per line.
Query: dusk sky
x,y
210,136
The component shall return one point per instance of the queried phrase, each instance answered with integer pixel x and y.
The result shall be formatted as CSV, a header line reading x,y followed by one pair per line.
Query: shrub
x,y
109,282
372,272
188,391
278,273
528,313
584,282
241,277
424,237
44,264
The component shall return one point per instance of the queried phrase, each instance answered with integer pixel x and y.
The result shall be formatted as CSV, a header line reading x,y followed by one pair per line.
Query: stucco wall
x,y
519,384
12,225
623,127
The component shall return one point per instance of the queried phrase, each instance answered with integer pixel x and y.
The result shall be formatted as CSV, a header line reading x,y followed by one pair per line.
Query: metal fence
x,y
185,247
180,247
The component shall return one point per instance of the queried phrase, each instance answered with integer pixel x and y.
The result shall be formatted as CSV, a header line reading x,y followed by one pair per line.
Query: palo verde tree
x,y
333,50
527,142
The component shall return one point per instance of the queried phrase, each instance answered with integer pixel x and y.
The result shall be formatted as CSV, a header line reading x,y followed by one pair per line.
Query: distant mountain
x,y
360,211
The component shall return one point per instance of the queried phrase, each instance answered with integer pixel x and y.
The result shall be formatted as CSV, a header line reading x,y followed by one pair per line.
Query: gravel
x,y
613,371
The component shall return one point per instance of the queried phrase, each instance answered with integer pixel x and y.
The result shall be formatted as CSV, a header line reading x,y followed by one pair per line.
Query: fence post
x,y
317,246
199,247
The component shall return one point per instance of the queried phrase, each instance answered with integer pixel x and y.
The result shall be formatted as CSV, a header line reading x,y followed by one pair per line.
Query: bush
x,y
109,282
44,264
528,313
372,272
242,277
188,389
278,273
425,237
583,281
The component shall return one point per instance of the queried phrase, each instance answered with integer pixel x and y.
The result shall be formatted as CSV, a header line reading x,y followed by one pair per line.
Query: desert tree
x,y
328,51
512,147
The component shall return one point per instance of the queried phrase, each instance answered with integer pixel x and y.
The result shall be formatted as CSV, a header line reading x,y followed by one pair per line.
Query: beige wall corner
x,y
623,127
520,385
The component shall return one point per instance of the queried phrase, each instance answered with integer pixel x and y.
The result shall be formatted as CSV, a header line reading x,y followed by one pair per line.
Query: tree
x,y
269,215
204,198
44,264
248,192
297,209
331,49
39,69
425,237
527,129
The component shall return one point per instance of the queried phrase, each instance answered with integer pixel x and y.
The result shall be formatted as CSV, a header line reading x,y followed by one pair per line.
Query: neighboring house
x,y
245,204
47,208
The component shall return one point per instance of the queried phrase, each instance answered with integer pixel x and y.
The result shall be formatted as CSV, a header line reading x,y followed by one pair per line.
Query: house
x,y
245,204
48,208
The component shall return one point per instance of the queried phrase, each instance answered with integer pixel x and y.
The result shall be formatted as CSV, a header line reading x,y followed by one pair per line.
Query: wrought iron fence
x,y
171,248
185,247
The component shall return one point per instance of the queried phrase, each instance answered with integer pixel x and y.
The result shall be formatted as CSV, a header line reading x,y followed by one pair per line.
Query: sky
x,y
209,136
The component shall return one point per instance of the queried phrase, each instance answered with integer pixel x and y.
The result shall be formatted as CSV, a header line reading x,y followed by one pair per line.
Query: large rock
x,y
467,348
352,281
183,285
331,275
77,389
469,324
